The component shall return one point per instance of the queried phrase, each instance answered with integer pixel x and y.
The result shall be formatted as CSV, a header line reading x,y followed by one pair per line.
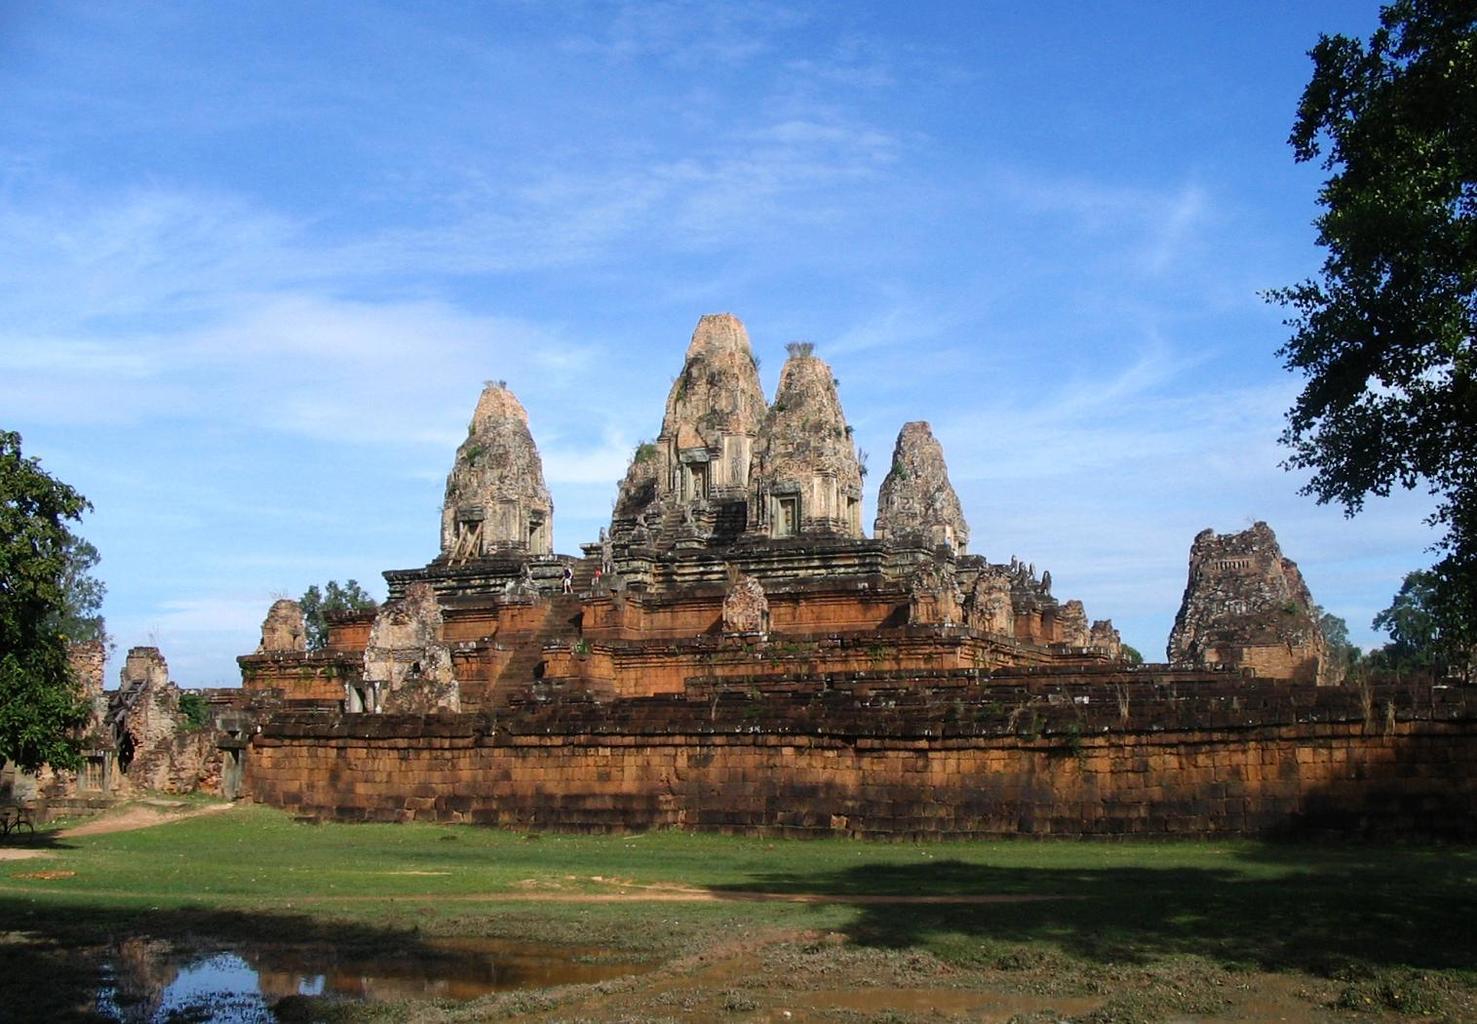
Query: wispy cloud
x,y
688,35
603,461
1152,227
351,372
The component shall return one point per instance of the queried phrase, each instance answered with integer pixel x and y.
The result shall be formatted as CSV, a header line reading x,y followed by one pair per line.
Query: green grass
x,y
1371,917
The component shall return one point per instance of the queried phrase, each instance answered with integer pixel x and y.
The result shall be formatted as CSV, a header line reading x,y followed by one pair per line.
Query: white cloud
x,y
602,463
687,35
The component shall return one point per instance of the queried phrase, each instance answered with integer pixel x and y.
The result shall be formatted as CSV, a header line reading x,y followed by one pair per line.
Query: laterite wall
x,y
1044,759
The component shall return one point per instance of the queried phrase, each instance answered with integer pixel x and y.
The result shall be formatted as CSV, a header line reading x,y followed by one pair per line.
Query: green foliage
x,y
1422,633
1131,655
1335,631
38,694
473,453
1385,337
1341,654
194,709
331,600
645,452
80,618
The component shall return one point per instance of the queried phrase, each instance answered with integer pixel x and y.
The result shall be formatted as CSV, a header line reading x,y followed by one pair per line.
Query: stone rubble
x,y
158,748
283,630
407,666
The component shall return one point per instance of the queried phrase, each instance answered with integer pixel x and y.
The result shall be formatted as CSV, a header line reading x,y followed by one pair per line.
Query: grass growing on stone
x,y
1385,929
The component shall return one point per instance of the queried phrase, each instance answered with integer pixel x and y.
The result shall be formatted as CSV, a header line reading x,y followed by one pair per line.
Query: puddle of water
x,y
146,983
221,988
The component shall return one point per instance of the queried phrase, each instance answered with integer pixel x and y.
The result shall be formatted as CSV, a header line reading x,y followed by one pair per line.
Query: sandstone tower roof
x,y
713,411
1246,605
916,499
496,404
496,499
718,391
805,448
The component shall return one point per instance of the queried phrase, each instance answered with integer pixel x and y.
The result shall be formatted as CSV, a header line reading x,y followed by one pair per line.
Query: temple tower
x,y
804,476
496,500
698,467
916,501
1246,606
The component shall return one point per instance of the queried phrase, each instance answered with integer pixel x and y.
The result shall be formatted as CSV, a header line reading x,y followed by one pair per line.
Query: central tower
x,y
695,476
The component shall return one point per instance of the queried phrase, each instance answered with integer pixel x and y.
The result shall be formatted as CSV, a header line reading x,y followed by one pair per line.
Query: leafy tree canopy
x,y
80,618
1341,654
1385,336
1421,634
39,704
318,604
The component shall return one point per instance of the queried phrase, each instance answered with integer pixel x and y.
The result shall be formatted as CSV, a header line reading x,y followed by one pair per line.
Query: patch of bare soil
x,y
20,853
44,876
822,979
531,890
140,815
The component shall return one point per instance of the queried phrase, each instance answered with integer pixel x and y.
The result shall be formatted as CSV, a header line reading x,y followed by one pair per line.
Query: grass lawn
x,y
1023,930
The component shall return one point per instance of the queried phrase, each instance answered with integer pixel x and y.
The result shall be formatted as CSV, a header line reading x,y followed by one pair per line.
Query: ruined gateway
x,y
735,653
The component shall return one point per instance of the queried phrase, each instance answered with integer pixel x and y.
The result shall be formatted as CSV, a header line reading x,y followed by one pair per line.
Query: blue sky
x,y
256,261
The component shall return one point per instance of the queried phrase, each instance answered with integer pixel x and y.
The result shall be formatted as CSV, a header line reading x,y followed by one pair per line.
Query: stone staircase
x,y
561,622
730,520
584,575
672,529
719,522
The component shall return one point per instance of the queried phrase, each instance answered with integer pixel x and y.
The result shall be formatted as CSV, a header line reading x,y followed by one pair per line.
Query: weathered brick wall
x,y
317,676
1186,758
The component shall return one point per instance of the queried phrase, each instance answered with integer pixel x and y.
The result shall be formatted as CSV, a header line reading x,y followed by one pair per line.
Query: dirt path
x,y
139,815
657,894
131,817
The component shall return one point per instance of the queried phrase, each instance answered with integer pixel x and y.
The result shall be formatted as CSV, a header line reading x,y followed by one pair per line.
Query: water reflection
x,y
146,982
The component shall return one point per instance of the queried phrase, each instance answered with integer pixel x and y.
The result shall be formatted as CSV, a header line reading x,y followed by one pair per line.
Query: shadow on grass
x,y
44,839
1306,907
53,954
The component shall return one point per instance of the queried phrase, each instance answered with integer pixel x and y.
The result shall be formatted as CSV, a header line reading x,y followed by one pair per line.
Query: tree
x,y
1131,655
1341,653
80,618
1421,635
39,703
331,600
1385,338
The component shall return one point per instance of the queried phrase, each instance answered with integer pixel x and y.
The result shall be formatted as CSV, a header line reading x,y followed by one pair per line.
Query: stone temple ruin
x,y
1247,607
734,652
148,735
742,517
